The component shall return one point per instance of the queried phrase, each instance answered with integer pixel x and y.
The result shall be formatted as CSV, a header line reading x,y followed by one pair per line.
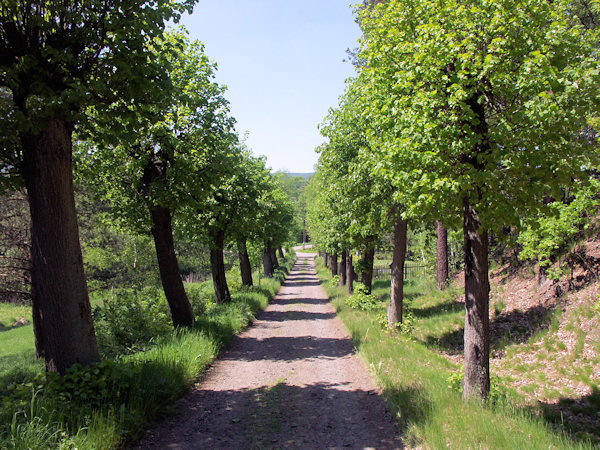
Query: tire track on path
x,y
291,380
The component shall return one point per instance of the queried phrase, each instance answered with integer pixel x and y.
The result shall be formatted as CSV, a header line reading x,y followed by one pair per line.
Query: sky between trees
x,y
283,64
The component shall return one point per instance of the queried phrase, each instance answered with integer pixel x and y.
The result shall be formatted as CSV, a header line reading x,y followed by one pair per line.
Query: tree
x,y
56,60
482,103
276,219
153,172
232,212
15,248
441,255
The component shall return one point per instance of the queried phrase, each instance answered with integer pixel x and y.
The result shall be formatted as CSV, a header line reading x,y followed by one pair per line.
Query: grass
x,y
414,377
138,388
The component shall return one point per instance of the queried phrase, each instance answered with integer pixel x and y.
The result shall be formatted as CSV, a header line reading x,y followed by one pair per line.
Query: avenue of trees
x,y
476,116
137,110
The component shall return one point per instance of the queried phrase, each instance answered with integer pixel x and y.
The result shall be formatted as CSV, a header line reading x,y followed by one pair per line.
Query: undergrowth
x,y
147,366
415,377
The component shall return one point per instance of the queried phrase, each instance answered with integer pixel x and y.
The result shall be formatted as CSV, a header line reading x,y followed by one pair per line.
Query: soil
x,y
291,380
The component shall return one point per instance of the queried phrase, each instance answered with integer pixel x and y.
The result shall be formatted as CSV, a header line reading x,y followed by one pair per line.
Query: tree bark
x,y
334,264
273,257
366,277
217,265
326,260
267,263
542,274
245,266
62,320
280,251
349,273
394,313
162,231
342,268
442,256
476,382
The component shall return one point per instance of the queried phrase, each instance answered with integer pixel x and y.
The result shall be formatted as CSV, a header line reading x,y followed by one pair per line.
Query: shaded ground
x,y
289,381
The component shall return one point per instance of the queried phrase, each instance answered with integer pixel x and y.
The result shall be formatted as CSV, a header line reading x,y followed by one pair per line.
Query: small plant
x,y
455,380
92,386
497,395
406,327
499,306
201,296
596,306
362,299
335,281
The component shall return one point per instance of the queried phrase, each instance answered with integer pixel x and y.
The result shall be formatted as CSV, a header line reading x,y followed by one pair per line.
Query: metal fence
x,y
410,271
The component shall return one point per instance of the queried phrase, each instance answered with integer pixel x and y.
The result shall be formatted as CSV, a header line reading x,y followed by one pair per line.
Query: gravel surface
x,y
289,381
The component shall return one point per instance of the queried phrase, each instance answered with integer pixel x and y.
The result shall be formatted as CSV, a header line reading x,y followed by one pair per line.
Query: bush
x,y
362,299
406,327
129,321
335,281
201,296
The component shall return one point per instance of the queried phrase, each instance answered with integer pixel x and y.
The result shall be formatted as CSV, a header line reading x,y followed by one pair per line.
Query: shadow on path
x,y
286,416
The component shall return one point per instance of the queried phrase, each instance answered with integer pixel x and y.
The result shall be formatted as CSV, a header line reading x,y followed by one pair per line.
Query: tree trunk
x,y
342,268
349,273
273,257
162,231
62,320
394,313
267,263
280,251
476,382
326,260
366,277
334,264
542,274
442,256
217,265
245,266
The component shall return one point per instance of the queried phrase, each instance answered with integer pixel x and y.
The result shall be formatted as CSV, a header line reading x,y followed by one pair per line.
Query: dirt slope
x,y
291,380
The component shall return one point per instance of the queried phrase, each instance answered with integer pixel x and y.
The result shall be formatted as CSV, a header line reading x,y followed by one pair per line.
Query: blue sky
x,y
282,62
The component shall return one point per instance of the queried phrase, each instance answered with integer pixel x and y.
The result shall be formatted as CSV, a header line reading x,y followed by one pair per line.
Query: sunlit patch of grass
x,y
414,378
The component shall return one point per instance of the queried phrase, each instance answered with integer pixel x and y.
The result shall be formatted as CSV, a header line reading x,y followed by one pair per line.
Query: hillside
x,y
545,340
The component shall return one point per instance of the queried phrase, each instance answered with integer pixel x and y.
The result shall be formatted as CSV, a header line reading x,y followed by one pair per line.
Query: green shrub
x,y
362,299
335,281
128,321
201,296
406,327
96,386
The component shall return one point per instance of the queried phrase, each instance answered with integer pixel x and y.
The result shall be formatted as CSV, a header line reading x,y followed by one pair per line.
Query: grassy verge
x,y
109,405
414,376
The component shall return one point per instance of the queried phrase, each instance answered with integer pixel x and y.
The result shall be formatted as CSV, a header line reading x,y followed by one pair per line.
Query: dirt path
x,y
291,380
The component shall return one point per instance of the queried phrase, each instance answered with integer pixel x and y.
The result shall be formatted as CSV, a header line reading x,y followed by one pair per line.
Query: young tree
x,y
56,59
483,103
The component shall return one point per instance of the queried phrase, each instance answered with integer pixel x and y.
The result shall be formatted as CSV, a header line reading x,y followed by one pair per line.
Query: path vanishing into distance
x,y
290,380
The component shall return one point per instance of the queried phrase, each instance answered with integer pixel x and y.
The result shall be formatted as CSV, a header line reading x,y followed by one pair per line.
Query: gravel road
x,y
291,380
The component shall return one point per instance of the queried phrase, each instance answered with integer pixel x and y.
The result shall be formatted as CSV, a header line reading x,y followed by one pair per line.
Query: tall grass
x,y
414,377
133,390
